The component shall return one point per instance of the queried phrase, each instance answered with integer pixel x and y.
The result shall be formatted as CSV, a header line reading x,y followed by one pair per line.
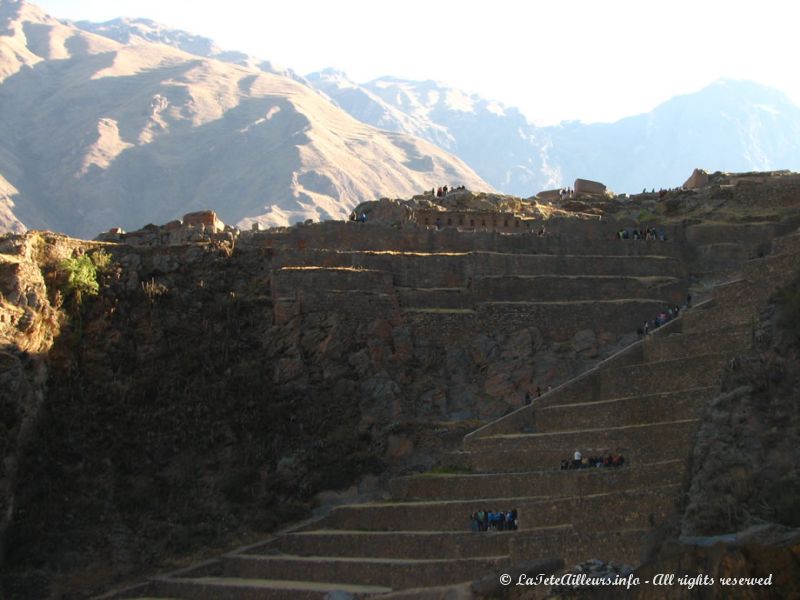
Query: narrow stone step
x,y
395,544
620,412
612,382
554,288
559,321
582,388
552,482
574,546
232,588
421,298
632,507
453,269
388,572
637,443
730,340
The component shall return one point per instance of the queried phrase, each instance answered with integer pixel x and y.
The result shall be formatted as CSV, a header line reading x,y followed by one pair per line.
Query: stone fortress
x,y
447,277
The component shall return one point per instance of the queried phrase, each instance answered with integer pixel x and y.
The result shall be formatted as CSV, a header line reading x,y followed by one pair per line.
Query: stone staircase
x,y
644,402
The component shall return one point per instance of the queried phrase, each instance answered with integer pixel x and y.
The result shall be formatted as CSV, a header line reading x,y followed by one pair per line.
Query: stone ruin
x,y
580,187
698,179
550,195
591,188
199,226
645,402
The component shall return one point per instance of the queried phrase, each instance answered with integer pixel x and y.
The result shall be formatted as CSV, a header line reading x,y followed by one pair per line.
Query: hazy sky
x,y
554,59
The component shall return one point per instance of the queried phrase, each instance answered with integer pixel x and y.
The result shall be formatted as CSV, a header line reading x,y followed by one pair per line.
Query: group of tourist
x,y
663,191
442,191
585,462
649,234
362,218
664,317
565,193
494,520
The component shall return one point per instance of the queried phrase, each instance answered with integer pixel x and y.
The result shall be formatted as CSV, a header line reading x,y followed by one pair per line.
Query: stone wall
x,y
533,512
564,236
559,321
588,287
750,235
397,575
361,294
658,406
551,482
638,444
421,270
577,390
476,221
573,547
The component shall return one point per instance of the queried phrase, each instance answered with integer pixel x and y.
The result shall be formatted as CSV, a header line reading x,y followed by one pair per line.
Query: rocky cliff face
x,y
745,462
173,413
163,428
30,320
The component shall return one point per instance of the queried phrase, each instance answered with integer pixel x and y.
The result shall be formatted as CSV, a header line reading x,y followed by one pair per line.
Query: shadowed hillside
x,y
220,387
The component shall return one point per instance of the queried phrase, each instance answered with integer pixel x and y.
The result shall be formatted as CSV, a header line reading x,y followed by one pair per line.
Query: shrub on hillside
x,y
81,277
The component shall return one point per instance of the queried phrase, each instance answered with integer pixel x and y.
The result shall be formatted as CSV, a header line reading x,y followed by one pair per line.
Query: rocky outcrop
x,y
698,179
30,320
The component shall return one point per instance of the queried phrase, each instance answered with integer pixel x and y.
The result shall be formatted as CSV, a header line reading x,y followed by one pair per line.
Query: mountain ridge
x,y
628,154
147,129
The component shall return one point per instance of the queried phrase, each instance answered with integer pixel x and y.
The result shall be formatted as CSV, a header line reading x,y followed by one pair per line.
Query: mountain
x,y
729,126
496,140
97,133
133,31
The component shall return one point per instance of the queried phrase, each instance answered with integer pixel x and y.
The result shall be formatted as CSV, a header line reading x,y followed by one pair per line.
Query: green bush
x,y
81,275
101,260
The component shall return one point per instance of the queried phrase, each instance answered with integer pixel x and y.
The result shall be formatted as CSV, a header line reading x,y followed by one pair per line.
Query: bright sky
x,y
555,60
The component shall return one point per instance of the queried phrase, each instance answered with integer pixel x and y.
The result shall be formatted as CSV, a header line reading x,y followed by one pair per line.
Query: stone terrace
x,y
643,402
452,285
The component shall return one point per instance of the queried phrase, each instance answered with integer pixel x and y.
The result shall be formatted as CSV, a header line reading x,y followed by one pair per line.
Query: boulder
x,y
586,186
